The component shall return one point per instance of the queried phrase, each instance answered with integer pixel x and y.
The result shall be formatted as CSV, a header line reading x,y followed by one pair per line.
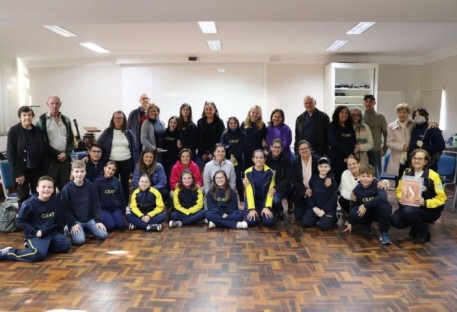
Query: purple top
x,y
282,132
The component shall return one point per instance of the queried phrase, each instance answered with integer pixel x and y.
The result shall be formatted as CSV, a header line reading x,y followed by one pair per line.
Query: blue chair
x,y
384,175
447,169
7,180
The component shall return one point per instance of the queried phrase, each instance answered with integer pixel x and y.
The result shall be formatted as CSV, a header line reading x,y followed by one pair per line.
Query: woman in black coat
x,y
26,154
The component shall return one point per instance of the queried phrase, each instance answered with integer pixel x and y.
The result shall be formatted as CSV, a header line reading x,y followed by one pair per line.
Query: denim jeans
x,y
91,227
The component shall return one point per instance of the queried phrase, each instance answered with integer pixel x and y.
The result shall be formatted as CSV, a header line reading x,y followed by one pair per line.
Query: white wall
x,y
89,94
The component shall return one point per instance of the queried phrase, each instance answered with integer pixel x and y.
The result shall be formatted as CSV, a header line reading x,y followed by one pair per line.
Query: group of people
x,y
236,176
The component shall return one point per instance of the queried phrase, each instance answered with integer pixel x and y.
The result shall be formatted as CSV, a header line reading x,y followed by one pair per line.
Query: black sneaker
x,y
421,238
413,233
367,230
154,227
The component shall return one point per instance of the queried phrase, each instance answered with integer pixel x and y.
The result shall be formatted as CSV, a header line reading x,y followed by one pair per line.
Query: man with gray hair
x,y
59,138
137,117
312,126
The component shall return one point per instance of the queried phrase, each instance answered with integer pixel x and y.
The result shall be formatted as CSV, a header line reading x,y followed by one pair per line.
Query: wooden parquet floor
x,y
285,268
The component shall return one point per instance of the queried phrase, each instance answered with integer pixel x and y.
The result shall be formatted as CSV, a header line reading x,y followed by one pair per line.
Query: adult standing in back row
x,y
312,126
136,119
378,125
209,130
59,138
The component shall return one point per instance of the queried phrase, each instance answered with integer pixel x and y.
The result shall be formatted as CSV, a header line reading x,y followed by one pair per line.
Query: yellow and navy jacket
x,y
432,189
188,201
147,202
267,184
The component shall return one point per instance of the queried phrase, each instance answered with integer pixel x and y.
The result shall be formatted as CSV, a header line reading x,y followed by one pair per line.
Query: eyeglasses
x,y
418,158
145,98
303,148
94,151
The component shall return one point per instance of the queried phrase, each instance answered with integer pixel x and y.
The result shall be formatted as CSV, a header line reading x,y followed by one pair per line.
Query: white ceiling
x,y
270,31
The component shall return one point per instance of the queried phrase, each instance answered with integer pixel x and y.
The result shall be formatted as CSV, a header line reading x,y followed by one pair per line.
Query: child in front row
x,y
187,202
259,182
222,203
82,206
41,219
371,205
146,207
321,204
111,197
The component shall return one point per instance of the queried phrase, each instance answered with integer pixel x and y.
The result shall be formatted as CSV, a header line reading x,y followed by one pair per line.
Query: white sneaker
x,y
242,225
211,225
173,224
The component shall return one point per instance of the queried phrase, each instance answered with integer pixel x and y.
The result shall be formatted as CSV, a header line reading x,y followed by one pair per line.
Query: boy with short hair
x,y
371,205
95,163
82,206
41,219
321,203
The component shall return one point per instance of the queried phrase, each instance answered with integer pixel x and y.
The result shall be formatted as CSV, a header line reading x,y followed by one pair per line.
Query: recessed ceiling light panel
x,y
214,45
360,28
94,47
59,30
336,45
208,27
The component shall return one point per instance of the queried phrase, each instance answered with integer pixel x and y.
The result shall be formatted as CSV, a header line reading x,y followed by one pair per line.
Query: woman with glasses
x,y
277,129
303,167
426,207
153,131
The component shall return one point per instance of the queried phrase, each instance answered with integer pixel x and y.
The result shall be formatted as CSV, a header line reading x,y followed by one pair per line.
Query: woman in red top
x,y
184,162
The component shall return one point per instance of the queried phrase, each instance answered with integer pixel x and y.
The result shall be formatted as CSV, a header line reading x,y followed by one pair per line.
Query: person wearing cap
x,y
321,204
378,126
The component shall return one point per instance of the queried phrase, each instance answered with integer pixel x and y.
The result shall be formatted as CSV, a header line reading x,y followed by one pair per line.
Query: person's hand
x,y
361,211
405,147
384,184
319,212
353,198
419,143
62,157
145,219
383,152
233,159
272,191
179,144
75,229
20,180
267,212
328,182
419,201
309,192
85,159
39,233
356,148
252,215
348,227
432,124
100,226
246,182
224,215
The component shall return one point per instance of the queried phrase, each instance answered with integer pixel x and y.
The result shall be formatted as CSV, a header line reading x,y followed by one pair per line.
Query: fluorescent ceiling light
x,y
336,45
59,30
94,47
360,28
208,27
214,45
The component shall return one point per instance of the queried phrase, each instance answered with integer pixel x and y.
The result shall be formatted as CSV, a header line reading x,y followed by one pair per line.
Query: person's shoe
x,y
281,215
131,227
173,224
154,227
421,238
4,252
367,230
385,239
211,225
242,225
413,233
